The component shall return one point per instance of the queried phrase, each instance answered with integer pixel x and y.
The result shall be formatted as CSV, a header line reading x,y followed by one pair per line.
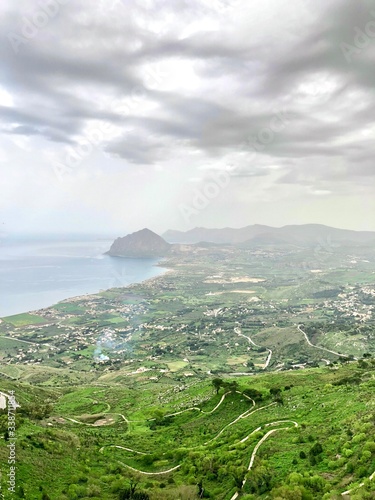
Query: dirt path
x,y
238,331
199,409
315,346
245,414
347,492
122,448
260,442
168,415
150,473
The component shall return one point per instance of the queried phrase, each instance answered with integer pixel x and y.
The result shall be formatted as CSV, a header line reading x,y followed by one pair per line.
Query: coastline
x,y
89,295
74,298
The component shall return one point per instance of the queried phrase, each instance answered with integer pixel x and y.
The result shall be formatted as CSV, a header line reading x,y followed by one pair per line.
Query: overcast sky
x,y
117,115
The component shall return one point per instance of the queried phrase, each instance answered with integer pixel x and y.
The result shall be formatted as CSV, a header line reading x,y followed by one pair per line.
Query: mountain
x,y
225,235
305,235
141,244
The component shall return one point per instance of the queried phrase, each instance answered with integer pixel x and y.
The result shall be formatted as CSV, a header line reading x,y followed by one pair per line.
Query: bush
x,y
93,490
359,437
350,467
366,455
361,471
130,494
76,491
315,450
370,446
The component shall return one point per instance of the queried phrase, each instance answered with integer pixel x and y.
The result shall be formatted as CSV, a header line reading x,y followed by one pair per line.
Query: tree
x,y
259,480
286,492
232,386
217,383
130,493
279,399
274,391
253,394
316,449
238,474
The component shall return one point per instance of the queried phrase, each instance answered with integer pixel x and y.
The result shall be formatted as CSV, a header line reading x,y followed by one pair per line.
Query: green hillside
x,y
88,440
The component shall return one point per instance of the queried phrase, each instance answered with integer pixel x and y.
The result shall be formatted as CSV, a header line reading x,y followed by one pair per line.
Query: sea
x,y
36,274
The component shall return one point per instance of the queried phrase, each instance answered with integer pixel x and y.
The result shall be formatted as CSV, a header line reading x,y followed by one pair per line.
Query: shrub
x,y
359,437
361,471
130,494
350,467
316,449
93,490
366,455
370,446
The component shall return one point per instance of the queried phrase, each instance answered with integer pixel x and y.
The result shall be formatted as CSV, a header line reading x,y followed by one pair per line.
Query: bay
x,y
38,274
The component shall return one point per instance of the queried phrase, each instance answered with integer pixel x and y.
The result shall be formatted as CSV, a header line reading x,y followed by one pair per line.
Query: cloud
x,y
266,88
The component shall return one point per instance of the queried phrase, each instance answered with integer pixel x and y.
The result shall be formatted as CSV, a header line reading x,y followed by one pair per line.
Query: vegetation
x,y
323,431
247,374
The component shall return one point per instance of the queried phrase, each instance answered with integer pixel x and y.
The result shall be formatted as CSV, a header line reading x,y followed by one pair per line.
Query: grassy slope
x,y
70,460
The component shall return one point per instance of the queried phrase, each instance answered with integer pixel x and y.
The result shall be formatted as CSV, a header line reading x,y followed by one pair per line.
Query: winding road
x,y
245,414
316,346
238,331
260,442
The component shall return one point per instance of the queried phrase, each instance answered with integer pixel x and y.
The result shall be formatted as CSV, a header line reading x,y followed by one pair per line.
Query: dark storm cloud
x,y
246,82
185,117
210,46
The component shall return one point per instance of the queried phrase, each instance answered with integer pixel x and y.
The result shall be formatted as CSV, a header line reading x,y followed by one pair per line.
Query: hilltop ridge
x,y
300,235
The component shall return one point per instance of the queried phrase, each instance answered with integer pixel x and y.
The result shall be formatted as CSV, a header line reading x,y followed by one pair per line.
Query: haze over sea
x,y
37,274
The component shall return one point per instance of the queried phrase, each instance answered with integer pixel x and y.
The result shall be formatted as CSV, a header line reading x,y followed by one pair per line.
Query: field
x,y
24,319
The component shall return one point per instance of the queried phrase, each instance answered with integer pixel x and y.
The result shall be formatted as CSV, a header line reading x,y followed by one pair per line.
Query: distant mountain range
x,y
141,244
305,235
147,244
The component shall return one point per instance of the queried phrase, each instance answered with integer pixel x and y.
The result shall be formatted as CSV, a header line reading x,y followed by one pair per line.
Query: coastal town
x,y
185,320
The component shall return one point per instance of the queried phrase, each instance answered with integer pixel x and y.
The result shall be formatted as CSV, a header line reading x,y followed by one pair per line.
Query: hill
x,y
305,235
141,244
306,434
225,235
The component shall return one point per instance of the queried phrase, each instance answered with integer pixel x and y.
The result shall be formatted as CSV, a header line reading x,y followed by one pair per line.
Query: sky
x,y
121,114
